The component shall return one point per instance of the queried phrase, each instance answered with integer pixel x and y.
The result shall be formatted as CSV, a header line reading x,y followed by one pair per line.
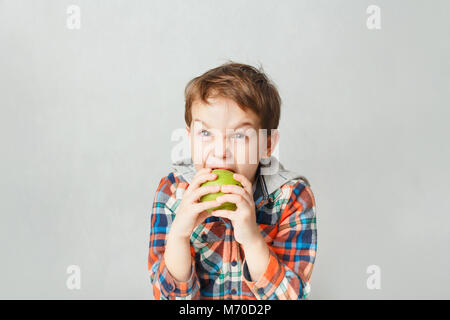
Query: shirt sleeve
x,y
292,253
166,287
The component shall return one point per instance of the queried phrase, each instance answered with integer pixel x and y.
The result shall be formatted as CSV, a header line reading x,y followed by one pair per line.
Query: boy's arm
x,y
292,253
165,286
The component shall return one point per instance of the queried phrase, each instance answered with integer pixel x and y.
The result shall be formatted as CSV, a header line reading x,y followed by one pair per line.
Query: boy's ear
x,y
272,142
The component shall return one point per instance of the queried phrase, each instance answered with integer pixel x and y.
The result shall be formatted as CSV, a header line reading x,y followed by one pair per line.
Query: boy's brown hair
x,y
242,83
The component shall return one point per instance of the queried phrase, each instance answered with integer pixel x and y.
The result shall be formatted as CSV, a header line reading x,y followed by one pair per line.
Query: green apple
x,y
223,177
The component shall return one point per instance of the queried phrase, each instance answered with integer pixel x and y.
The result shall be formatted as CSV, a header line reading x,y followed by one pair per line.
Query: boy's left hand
x,y
246,230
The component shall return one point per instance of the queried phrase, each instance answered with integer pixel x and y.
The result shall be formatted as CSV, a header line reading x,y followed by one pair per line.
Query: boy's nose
x,y
221,149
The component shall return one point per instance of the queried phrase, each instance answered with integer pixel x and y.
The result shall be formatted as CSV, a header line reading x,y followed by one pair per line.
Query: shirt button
x,y
204,237
234,263
233,291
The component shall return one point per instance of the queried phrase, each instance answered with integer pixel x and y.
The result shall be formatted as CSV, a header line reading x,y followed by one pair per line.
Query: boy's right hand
x,y
191,212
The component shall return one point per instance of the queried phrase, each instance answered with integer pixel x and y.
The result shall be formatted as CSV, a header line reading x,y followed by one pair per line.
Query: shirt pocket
x,y
207,241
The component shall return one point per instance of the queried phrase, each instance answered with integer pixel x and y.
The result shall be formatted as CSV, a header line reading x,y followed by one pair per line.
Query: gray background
x,y
87,115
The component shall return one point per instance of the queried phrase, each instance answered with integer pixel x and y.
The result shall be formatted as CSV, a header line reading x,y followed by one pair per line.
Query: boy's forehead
x,y
221,111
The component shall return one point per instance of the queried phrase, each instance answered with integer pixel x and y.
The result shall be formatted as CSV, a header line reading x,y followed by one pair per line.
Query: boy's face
x,y
222,135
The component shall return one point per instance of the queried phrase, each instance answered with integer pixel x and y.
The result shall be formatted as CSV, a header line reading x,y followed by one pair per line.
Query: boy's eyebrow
x,y
204,123
241,124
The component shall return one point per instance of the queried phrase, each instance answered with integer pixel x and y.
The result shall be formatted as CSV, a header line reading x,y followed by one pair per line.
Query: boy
x,y
265,249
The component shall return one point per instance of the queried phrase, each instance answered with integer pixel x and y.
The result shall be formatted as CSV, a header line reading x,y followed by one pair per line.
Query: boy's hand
x,y
191,212
246,230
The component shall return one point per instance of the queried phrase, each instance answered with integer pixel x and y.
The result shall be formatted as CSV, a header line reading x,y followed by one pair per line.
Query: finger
x,y
229,188
244,181
203,171
224,214
198,193
198,180
234,198
202,206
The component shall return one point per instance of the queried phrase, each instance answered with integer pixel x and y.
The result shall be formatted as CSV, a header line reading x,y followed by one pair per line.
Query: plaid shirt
x,y
286,215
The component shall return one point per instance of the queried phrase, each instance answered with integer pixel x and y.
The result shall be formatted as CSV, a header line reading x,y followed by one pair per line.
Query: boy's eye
x,y
204,133
240,136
